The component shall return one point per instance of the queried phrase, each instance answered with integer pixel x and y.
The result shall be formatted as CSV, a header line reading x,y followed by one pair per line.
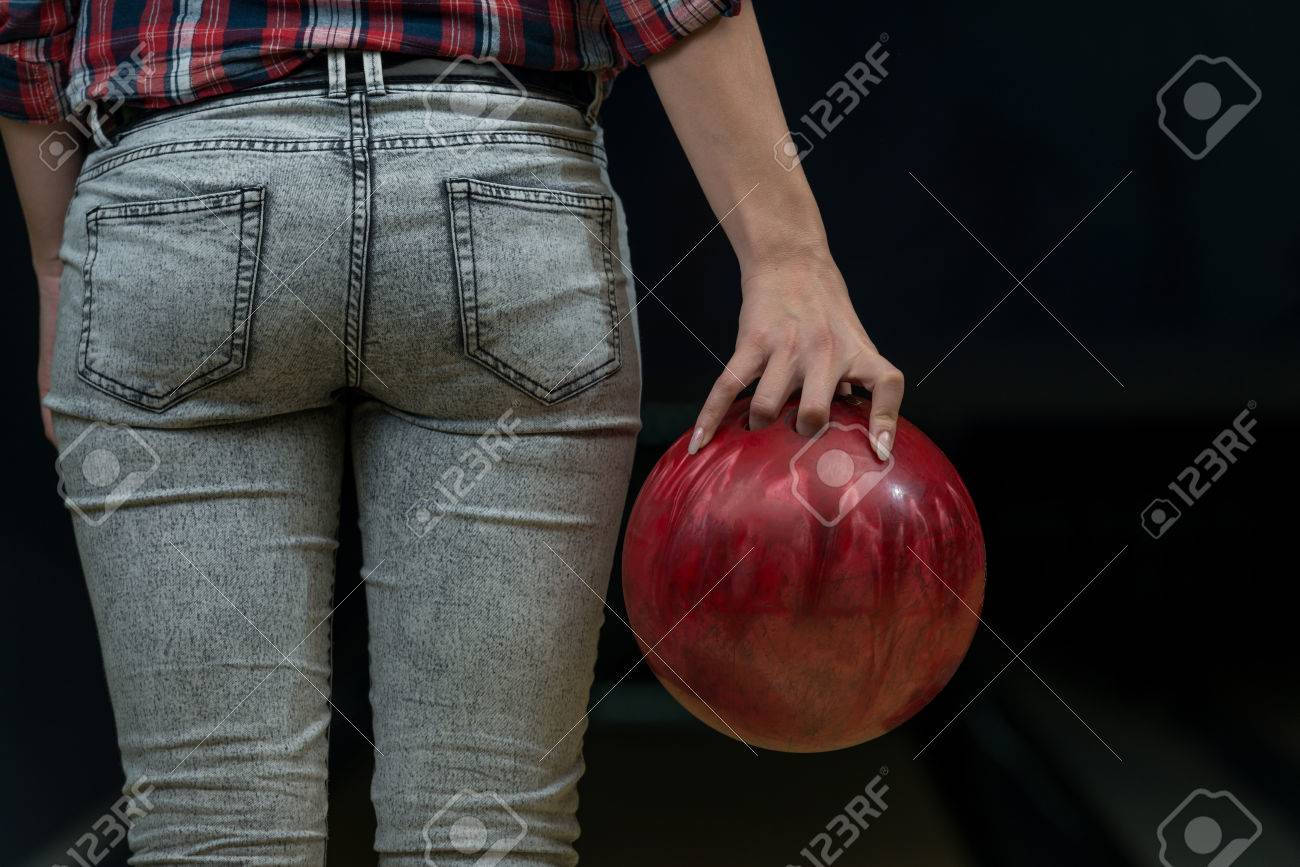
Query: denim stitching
x,y
463,191
247,286
453,194
607,226
293,146
167,207
289,92
535,195
176,112
359,248
288,146
473,264
474,139
247,201
92,250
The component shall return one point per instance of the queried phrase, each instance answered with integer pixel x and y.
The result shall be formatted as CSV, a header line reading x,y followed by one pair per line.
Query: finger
x,y
739,372
774,389
886,384
815,401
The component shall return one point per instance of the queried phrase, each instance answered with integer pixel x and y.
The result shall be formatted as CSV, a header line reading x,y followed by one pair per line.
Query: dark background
x,y
1020,117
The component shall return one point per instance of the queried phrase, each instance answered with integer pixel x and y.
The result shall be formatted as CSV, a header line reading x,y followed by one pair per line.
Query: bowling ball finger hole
x,y
789,419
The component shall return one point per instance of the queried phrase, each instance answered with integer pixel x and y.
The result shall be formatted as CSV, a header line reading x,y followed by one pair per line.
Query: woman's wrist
x,y
777,222
784,246
47,265
44,193
781,252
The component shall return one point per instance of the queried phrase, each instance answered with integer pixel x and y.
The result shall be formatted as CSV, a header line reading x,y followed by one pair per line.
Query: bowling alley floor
x,y
1014,781
676,793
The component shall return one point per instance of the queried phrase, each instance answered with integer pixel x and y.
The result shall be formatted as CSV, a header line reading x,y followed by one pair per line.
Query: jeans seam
x,y
474,139
295,146
176,112
360,159
288,146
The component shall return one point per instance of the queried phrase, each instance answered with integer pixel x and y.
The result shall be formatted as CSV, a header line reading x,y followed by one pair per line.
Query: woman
x,y
272,249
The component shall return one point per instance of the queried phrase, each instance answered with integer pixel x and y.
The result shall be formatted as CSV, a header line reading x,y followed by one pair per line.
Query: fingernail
x,y
883,443
696,439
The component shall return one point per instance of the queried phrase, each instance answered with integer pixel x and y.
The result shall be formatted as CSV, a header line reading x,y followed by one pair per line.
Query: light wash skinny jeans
x,y
451,253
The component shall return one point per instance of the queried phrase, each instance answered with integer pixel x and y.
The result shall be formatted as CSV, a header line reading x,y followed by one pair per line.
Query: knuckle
x,y
779,339
822,340
721,384
892,377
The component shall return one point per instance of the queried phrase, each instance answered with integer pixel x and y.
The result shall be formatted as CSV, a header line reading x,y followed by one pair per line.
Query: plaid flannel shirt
x,y
57,54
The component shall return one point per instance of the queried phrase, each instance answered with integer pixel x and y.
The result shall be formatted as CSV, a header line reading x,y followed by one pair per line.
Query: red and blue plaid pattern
x,y
153,53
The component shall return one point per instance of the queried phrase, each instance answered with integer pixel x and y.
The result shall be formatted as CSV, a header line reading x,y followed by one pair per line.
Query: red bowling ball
x,y
798,593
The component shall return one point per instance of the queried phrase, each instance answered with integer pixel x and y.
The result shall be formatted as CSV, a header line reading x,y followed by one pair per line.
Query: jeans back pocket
x,y
537,282
168,291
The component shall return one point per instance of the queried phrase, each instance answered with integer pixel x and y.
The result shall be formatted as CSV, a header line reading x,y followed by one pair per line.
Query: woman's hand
x,y
47,283
798,330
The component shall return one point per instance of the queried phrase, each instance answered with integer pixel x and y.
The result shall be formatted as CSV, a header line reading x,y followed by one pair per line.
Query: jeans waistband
x,y
340,71
577,87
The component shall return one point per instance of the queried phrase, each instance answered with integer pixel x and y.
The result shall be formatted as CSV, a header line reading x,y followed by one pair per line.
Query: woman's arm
x,y
798,328
44,193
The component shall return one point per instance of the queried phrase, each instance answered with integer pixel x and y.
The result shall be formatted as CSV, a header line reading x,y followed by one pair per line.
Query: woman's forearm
x,y
44,173
45,160
798,330
718,92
